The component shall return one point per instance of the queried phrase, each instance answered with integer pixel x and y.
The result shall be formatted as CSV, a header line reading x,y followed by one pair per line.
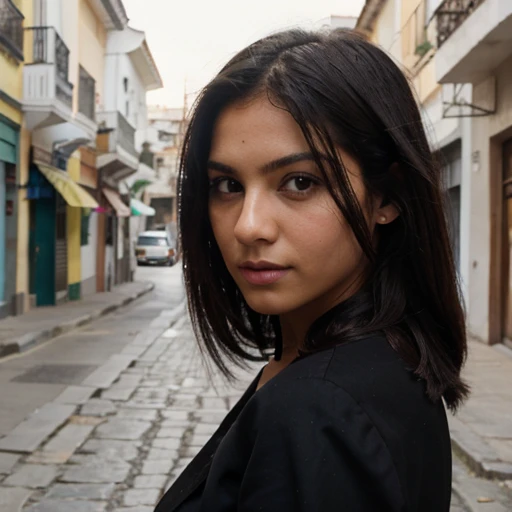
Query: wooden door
x,y
507,244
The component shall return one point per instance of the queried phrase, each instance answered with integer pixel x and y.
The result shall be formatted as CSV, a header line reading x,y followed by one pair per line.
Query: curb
x,y
479,494
476,454
31,339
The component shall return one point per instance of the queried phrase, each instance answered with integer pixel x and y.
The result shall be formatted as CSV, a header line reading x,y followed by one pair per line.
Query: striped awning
x,y
70,190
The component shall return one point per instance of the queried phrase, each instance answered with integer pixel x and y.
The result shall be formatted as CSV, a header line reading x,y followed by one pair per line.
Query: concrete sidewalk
x,y
19,333
482,430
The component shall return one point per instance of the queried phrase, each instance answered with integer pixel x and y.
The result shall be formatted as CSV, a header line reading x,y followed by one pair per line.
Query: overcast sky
x,y
191,39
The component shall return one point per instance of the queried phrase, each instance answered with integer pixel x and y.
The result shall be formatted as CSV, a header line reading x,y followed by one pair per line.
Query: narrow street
x,y
136,401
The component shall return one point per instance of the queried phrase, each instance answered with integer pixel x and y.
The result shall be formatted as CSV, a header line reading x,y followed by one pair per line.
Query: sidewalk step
x,y
30,433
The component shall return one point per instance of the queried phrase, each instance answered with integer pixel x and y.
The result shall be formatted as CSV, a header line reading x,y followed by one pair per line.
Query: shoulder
x,y
366,377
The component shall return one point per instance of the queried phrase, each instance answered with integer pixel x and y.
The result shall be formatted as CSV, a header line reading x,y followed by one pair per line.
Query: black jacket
x,y
346,429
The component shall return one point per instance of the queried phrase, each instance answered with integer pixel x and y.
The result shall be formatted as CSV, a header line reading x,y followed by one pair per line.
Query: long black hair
x,y
343,92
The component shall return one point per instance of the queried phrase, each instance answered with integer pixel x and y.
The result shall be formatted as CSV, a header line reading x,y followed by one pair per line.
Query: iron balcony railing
x,y
87,94
49,48
123,133
126,134
11,28
451,14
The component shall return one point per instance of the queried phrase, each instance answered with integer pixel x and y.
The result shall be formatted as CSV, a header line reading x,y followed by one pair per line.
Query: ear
x,y
386,214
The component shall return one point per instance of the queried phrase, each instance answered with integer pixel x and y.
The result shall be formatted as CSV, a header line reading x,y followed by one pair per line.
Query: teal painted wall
x,y
9,142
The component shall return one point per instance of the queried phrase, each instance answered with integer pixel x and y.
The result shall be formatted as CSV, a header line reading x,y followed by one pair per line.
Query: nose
x,y
257,221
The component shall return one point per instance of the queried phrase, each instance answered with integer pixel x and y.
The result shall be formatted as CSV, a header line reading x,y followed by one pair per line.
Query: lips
x,y
262,272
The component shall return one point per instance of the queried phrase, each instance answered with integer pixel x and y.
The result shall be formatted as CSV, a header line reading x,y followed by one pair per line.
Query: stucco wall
x,y
480,229
88,257
117,68
93,37
74,226
22,264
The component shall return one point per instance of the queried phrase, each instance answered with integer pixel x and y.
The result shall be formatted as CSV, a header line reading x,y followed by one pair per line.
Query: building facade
x,y
72,97
464,89
13,15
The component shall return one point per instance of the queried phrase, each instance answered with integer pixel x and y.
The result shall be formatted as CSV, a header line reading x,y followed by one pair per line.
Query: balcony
x,y
473,38
86,114
117,157
47,93
11,29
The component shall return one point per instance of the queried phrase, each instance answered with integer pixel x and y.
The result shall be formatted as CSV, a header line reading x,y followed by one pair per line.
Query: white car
x,y
155,248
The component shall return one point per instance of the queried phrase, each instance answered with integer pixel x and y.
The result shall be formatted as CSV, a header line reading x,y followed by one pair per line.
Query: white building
x,y
130,72
164,134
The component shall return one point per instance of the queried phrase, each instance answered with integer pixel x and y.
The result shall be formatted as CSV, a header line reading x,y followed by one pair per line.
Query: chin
x,y
267,305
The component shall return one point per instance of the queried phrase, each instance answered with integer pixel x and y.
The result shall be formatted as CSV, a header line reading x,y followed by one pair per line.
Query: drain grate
x,y
55,374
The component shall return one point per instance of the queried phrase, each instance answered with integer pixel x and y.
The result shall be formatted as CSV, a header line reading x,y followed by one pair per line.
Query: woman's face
x,y
282,237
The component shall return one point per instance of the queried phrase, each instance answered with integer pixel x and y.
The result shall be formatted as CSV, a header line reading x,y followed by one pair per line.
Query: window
x,y
127,108
152,241
125,84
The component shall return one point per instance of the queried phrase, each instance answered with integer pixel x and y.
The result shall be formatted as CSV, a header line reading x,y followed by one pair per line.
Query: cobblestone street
x,y
129,442
124,433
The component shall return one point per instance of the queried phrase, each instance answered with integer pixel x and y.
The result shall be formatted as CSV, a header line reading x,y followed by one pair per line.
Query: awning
x,y
139,208
116,202
70,190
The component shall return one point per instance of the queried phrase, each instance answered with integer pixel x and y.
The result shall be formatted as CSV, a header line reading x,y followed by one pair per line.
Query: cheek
x,y
222,229
324,240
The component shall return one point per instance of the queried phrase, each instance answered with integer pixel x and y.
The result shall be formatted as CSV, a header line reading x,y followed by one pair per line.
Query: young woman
x,y
312,223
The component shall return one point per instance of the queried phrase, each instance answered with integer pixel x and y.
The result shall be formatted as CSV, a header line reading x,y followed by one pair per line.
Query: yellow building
x,y
14,14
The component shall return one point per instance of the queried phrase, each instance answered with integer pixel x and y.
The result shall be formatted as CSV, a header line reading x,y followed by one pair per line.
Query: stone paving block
x,y
13,498
162,454
138,414
74,395
156,467
82,491
32,476
154,352
50,505
7,462
214,404
149,481
145,404
184,424
171,414
168,443
134,351
137,497
117,428
192,451
123,389
170,333
30,433
98,407
135,509
171,432
205,428
210,417
97,470
199,440
107,373
67,440
112,449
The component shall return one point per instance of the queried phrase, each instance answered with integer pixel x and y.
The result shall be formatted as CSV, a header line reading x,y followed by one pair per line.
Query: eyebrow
x,y
274,165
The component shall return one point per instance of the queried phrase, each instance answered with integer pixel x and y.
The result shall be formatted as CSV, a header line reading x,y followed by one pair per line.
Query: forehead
x,y
255,129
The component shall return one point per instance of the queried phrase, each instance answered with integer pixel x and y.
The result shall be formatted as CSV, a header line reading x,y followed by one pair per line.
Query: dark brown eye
x,y
228,186
299,184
